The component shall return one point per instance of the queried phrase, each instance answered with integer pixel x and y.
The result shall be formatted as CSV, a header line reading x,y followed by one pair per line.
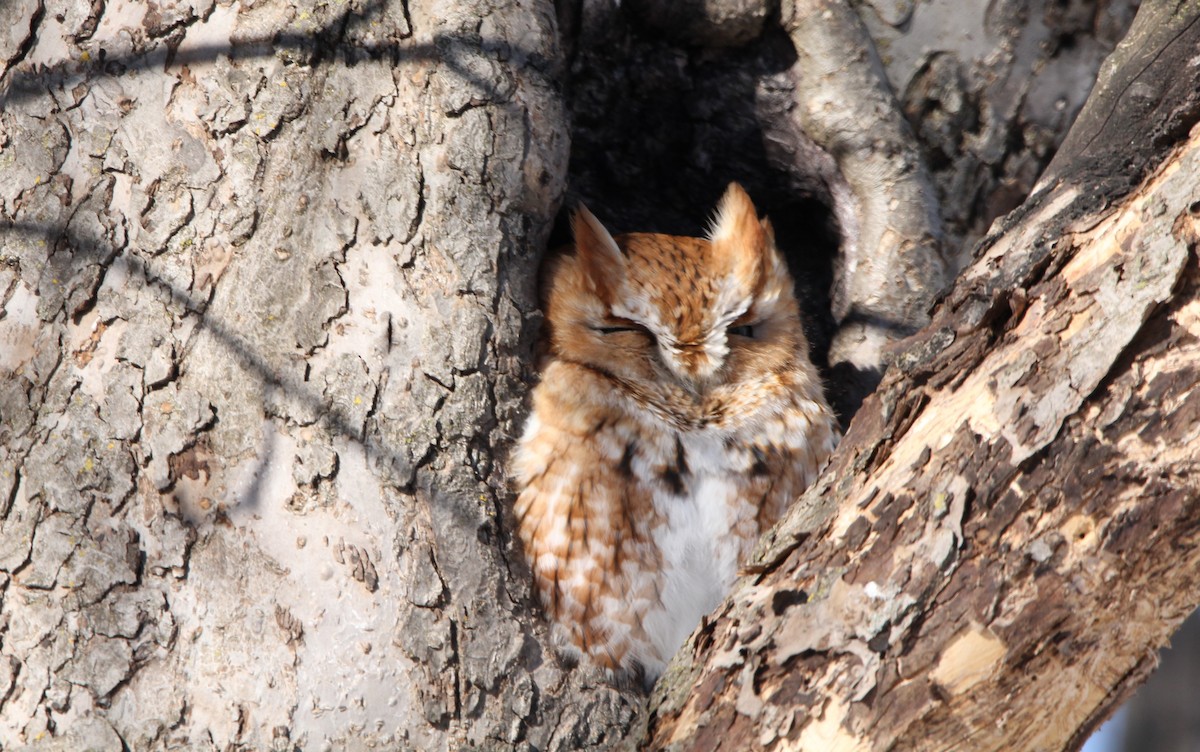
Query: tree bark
x,y
1013,515
267,321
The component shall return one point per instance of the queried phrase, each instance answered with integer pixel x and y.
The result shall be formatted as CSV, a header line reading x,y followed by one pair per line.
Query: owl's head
x,y
700,313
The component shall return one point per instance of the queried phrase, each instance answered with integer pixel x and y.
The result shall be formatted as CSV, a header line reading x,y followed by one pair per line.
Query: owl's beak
x,y
695,364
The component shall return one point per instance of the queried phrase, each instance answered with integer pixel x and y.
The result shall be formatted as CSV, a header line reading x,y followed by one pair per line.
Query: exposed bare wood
x,y
1013,516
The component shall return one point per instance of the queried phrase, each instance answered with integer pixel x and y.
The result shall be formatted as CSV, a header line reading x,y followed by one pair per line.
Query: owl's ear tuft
x,y
600,256
740,242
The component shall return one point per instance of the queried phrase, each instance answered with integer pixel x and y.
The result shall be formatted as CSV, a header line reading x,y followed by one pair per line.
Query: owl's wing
x,y
584,527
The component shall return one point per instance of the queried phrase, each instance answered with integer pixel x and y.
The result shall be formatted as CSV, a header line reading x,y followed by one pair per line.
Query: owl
x,y
676,417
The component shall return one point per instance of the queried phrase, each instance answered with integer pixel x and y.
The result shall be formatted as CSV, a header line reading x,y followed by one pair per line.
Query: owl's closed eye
x,y
676,417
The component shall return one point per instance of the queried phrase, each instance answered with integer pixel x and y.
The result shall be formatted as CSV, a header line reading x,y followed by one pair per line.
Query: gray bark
x,y
268,316
266,333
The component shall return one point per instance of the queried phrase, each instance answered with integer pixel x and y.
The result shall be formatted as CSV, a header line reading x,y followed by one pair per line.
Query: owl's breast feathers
x,y
677,417
635,522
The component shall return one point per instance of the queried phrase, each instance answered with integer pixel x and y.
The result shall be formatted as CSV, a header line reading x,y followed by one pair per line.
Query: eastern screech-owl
x,y
677,416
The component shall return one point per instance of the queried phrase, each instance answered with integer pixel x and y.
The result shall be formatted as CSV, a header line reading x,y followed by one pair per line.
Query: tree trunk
x,y
267,321
267,325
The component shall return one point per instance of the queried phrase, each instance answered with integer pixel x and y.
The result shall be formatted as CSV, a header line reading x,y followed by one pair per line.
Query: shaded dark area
x,y
1145,90
1162,715
659,131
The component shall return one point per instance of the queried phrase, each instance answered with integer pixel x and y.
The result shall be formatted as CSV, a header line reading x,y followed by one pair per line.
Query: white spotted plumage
x,y
677,416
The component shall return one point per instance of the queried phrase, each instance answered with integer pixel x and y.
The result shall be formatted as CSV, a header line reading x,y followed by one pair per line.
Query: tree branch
x,y
1014,515
890,268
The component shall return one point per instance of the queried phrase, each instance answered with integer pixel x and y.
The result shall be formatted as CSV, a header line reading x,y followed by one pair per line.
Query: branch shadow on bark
x,y
327,42
94,251
322,44
559,708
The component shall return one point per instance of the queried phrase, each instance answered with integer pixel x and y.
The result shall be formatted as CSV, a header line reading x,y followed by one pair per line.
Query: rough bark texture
x,y
1013,516
991,89
267,315
267,311
890,266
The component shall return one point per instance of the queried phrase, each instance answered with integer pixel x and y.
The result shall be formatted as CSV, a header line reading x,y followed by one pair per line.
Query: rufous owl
x,y
677,416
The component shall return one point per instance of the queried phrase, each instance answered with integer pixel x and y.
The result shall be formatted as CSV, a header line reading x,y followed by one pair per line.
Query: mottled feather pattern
x,y
676,418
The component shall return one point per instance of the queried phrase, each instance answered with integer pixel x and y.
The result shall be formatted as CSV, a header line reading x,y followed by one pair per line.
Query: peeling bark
x,y
1013,515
